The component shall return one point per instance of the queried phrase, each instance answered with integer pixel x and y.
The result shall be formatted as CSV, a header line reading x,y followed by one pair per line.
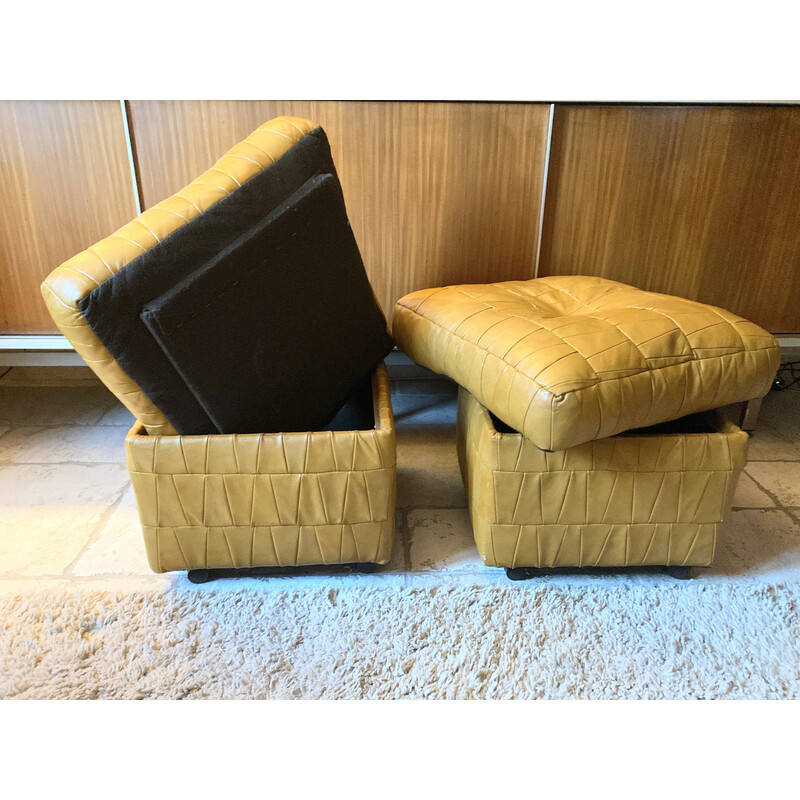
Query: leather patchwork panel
x,y
547,546
171,549
257,500
633,499
569,359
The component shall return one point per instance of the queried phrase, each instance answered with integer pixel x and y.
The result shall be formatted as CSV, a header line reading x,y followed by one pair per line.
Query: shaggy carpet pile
x,y
677,641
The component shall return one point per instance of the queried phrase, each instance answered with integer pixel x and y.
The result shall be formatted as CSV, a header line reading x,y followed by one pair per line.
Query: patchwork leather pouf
x,y
562,380
236,321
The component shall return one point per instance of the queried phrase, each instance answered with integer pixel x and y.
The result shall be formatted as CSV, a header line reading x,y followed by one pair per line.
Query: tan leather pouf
x,y
639,498
267,500
568,365
216,502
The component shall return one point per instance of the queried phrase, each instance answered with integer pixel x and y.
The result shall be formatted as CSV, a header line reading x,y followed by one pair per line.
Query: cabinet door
x,y
436,193
697,201
65,183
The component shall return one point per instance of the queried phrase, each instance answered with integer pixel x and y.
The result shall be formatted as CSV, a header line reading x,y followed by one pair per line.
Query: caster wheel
x,y
518,573
199,575
365,568
679,573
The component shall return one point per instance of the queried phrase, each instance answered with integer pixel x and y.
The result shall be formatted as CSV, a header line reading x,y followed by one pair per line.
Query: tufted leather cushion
x,y
569,359
274,332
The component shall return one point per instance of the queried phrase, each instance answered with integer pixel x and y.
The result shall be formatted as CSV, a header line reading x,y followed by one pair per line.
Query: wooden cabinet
x,y
701,202
697,201
65,182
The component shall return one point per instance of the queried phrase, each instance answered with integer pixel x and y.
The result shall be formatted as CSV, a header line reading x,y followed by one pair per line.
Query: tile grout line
x,y
108,577
96,531
794,513
775,500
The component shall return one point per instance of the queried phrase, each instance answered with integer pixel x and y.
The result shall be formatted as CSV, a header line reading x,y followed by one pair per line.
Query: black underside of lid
x,y
275,332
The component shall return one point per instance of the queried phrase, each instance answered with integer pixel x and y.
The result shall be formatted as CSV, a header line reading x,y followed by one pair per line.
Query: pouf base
x,y
646,497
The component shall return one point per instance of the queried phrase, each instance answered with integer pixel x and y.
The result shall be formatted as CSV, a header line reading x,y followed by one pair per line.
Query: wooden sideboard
x,y
698,201
65,182
702,202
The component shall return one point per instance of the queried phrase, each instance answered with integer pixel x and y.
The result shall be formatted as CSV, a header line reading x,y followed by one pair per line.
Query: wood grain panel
x,y
65,183
701,202
437,193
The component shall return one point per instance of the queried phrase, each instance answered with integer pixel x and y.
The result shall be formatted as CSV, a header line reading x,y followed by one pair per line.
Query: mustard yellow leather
x,y
68,284
569,359
628,500
259,500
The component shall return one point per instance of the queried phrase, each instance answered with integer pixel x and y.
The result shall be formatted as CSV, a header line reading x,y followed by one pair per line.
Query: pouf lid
x,y
568,359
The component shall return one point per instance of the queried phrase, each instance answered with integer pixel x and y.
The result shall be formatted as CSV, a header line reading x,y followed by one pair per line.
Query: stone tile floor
x,y
68,514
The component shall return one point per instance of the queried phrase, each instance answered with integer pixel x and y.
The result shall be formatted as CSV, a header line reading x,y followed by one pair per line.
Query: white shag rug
x,y
676,641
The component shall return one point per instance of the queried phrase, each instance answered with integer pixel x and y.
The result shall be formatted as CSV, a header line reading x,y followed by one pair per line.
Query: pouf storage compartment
x,y
267,500
638,498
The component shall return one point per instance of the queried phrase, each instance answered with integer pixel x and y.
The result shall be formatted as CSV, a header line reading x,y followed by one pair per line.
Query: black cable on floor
x,y
788,377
